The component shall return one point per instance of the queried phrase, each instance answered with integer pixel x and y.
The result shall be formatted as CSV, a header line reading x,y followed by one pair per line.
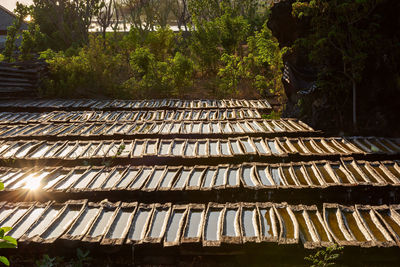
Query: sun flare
x,y
32,181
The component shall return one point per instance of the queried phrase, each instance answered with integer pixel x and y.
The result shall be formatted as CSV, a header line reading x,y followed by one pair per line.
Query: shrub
x,y
33,41
264,62
161,42
204,44
230,75
180,72
148,74
325,257
94,70
6,241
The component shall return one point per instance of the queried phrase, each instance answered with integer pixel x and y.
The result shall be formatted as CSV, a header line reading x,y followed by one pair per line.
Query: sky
x,y
10,4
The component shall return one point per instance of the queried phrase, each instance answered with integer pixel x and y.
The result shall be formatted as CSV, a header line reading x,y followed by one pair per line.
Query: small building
x,y
6,20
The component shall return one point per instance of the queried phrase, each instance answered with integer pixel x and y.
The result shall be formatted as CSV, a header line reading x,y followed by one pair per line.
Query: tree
x,y
104,18
141,14
13,32
264,62
65,23
33,41
342,36
181,13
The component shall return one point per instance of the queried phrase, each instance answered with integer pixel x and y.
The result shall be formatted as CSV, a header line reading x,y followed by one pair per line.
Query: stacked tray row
x,y
129,116
213,224
133,104
154,128
347,172
198,148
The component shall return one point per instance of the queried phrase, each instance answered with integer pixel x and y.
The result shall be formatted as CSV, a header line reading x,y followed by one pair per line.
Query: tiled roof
x,y
83,104
212,224
257,176
177,172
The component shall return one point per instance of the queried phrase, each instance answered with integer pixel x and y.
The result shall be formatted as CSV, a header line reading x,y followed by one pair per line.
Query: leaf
x,y
4,260
1,186
6,229
10,240
5,244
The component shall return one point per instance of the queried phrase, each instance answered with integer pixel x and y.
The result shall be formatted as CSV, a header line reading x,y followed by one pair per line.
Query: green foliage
x,y
274,115
82,259
152,77
145,16
204,45
65,23
205,10
161,63
255,12
94,69
233,30
264,62
161,42
5,240
344,34
13,31
180,73
4,260
324,258
226,33
33,41
148,73
47,261
230,74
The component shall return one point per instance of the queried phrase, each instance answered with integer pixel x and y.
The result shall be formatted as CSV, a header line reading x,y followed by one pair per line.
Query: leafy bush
x,y
82,259
265,62
148,74
204,45
159,63
6,241
180,72
14,31
152,77
93,70
324,258
33,41
65,23
161,42
230,74
226,32
233,30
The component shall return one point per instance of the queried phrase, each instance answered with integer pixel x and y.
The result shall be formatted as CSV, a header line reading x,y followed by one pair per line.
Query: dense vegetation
x,y
354,47
227,50
224,48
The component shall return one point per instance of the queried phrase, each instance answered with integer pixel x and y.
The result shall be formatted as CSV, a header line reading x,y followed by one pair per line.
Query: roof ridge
x,y
8,11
